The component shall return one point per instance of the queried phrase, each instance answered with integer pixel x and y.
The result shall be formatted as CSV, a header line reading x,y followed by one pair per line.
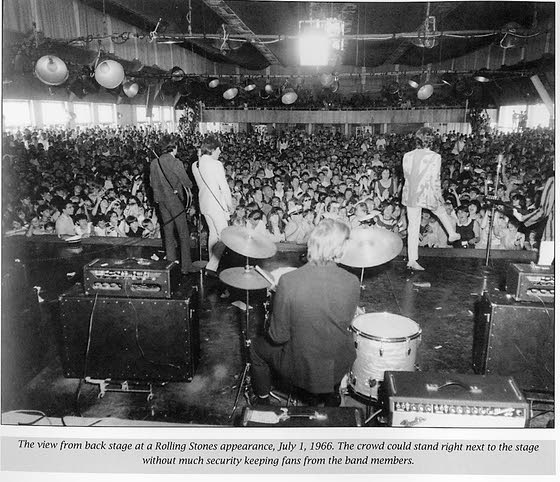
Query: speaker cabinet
x,y
514,339
143,339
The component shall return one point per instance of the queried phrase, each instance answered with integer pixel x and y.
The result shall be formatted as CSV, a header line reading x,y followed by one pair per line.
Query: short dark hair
x,y
210,144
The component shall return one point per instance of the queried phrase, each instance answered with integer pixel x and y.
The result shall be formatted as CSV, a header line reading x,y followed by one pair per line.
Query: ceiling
x,y
281,19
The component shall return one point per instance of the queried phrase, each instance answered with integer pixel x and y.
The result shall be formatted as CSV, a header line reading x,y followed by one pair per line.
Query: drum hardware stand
x,y
243,381
109,385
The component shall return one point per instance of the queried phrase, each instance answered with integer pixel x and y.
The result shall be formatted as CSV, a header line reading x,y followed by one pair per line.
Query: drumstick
x,y
259,270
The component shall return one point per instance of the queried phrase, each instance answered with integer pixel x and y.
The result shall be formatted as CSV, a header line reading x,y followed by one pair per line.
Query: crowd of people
x,y
95,182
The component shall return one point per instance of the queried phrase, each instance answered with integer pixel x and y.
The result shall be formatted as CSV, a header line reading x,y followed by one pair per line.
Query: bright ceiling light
x,y
314,48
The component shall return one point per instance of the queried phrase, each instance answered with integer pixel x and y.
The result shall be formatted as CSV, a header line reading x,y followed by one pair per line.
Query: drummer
x,y
308,343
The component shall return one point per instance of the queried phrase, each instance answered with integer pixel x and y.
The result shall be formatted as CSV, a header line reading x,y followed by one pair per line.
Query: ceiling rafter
x,y
239,27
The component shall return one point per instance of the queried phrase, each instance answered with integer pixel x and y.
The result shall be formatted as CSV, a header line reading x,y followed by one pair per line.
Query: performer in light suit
x,y
214,198
422,189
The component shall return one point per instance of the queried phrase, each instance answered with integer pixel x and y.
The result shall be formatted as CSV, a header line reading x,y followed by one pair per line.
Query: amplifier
x,y
530,282
131,277
144,339
515,339
423,399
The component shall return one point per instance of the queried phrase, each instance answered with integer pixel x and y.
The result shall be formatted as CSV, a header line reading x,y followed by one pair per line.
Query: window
x,y
141,114
54,113
83,113
106,113
16,113
167,113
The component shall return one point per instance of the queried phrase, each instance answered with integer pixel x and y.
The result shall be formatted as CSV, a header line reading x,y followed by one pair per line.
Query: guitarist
x,y
214,198
172,190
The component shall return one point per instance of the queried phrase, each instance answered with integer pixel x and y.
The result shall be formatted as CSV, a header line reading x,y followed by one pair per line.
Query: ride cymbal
x,y
248,243
369,247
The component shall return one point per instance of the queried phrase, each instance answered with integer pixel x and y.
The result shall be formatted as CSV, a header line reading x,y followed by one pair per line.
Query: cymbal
x,y
245,279
371,247
248,243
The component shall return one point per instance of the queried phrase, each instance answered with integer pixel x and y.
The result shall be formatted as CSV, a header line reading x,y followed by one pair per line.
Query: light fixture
x,y
414,82
213,82
482,76
51,70
464,88
249,85
177,74
289,96
230,93
130,88
425,92
393,87
109,74
448,78
335,85
314,47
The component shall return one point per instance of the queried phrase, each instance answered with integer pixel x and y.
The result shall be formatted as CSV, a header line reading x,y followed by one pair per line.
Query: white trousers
x,y
216,224
414,215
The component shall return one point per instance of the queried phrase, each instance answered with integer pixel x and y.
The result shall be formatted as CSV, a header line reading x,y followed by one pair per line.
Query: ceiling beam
x,y
440,11
239,27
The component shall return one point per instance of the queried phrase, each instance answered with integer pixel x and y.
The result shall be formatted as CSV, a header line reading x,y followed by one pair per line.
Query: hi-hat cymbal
x,y
371,247
248,243
245,279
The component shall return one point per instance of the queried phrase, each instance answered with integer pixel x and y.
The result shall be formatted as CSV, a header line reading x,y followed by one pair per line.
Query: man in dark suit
x,y
308,342
169,180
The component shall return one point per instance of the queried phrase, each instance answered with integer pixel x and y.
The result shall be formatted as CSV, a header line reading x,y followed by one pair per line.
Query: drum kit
x,y
383,341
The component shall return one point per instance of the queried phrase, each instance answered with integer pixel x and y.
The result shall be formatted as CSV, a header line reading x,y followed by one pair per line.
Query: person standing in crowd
x,y
308,342
214,198
544,211
422,189
64,225
170,184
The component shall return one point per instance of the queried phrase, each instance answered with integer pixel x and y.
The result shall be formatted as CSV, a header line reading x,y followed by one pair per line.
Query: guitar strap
x,y
184,210
204,181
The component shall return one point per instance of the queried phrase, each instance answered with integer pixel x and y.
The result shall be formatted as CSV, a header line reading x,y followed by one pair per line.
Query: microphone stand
x,y
493,211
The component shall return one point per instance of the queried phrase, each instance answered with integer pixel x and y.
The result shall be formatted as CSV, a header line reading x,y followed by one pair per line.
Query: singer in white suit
x,y
422,189
214,197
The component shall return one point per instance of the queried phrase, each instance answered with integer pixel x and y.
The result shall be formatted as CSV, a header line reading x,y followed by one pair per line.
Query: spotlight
x,y
464,88
51,70
393,88
249,85
314,48
230,93
213,82
130,88
448,78
482,76
109,74
177,74
335,85
425,92
289,96
414,82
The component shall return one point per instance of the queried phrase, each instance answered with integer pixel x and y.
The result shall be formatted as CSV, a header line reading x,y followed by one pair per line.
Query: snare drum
x,y
383,341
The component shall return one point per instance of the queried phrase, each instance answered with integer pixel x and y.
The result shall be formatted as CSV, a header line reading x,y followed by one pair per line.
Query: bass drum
x,y
383,342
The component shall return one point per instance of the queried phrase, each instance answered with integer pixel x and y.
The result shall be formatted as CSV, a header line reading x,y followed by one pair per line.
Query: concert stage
x,y
441,300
